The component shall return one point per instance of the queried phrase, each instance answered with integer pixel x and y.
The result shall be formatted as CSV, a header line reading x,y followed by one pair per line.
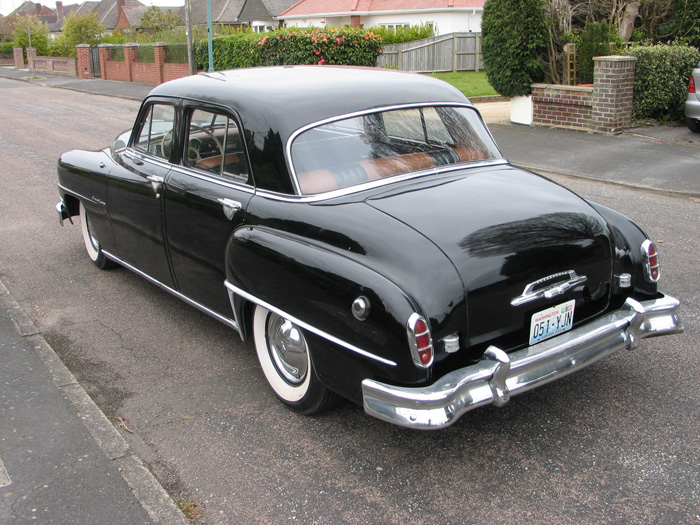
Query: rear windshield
x,y
375,146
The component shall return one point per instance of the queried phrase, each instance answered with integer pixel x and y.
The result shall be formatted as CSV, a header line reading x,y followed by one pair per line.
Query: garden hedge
x,y
288,46
661,80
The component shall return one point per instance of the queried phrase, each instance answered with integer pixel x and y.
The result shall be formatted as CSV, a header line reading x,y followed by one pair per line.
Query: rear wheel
x,y
92,245
285,360
693,125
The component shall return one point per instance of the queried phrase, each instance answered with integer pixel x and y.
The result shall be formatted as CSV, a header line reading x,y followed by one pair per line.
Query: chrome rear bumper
x,y
498,376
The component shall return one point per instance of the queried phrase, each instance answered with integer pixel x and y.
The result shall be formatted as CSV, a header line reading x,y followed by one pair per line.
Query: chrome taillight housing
x,y
420,341
650,257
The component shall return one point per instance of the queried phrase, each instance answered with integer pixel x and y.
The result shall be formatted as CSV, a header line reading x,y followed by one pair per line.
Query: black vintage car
x,y
363,228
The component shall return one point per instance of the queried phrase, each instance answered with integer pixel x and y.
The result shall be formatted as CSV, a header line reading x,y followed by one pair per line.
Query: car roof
x,y
283,99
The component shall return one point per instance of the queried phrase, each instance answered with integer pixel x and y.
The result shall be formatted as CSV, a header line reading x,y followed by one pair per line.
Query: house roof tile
x,y
349,7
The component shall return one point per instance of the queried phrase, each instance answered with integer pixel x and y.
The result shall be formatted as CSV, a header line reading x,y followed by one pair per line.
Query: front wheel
x,y
285,360
92,245
693,124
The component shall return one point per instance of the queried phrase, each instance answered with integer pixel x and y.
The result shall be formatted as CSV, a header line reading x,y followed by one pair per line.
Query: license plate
x,y
552,321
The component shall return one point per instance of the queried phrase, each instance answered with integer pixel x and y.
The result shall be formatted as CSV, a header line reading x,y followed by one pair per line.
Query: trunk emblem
x,y
549,287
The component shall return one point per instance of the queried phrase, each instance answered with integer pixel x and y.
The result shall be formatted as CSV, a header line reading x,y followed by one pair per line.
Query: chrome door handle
x,y
156,183
230,207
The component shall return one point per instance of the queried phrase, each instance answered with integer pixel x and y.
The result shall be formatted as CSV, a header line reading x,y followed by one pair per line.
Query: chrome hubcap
x,y
287,348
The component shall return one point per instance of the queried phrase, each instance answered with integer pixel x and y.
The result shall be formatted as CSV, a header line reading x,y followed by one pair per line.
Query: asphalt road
x,y
617,443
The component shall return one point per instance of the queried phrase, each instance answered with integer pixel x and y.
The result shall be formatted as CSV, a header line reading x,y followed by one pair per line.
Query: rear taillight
x,y
652,271
420,341
691,85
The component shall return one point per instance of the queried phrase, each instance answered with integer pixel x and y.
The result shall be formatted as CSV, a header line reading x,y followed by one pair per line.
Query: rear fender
x,y
316,286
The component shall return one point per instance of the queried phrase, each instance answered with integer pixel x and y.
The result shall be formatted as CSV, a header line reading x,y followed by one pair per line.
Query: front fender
x,y
317,286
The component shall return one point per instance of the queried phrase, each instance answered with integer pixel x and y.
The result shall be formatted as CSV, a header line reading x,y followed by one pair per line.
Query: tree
x,y
159,20
31,32
82,29
515,37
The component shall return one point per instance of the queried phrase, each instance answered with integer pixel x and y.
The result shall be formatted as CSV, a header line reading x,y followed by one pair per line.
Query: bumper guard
x,y
498,376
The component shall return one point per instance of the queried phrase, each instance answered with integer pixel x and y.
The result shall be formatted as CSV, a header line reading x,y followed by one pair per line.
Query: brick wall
x,y
83,61
562,106
131,70
54,65
606,107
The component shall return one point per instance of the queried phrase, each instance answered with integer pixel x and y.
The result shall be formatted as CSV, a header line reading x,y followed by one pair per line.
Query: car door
x,y
136,188
205,201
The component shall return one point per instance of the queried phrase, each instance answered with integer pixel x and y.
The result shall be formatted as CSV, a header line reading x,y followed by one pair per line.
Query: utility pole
x,y
190,50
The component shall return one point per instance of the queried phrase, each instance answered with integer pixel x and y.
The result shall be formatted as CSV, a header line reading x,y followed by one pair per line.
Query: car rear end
x,y
692,103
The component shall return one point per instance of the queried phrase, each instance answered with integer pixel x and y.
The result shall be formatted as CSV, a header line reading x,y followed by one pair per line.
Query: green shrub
x,y
6,48
595,41
288,46
403,34
229,52
343,46
661,80
515,36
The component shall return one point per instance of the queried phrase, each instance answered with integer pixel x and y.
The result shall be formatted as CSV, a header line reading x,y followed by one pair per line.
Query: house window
x,y
395,27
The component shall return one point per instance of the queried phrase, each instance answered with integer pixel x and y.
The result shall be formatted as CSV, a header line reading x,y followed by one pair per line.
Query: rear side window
x,y
156,134
215,145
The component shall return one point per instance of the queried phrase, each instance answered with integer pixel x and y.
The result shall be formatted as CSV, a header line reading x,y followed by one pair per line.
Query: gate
x,y
95,62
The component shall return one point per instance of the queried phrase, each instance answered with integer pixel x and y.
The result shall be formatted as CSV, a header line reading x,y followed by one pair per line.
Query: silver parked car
x,y
692,104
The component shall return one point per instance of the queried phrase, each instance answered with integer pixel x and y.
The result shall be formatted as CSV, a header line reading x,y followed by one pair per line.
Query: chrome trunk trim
x,y
498,376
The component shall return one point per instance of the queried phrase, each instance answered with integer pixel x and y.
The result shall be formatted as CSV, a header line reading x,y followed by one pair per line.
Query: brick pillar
x,y
83,62
131,55
31,53
18,55
613,92
355,21
159,50
105,55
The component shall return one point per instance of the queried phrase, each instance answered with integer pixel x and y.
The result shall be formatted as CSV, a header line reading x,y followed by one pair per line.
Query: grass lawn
x,y
471,83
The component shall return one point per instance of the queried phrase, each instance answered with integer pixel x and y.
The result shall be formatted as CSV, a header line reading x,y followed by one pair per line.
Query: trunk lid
x,y
510,235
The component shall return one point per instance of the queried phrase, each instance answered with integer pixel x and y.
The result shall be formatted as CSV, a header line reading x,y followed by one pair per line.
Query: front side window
x,y
156,134
385,144
214,144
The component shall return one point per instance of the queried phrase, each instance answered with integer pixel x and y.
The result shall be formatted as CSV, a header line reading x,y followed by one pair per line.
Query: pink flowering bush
x,y
342,46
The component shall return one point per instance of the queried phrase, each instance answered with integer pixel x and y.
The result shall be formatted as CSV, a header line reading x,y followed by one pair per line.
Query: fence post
x,y
159,51
613,93
105,50
399,59
477,50
454,52
83,62
18,55
131,55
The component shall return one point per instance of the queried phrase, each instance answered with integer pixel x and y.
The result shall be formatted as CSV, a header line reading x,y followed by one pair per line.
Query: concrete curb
x,y
142,483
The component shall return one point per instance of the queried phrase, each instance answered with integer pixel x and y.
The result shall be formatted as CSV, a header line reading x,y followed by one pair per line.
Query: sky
x,y
7,6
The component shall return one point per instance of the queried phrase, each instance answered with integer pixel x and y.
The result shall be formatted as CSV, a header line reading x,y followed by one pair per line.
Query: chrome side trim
x,y
499,376
306,326
225,320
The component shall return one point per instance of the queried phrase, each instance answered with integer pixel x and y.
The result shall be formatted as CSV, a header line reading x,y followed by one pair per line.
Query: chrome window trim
x,y
201,175
148,157
288,146
350,190
234,289
225,320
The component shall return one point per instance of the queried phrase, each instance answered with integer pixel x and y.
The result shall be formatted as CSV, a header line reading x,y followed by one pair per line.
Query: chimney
x,y
59,9
120,5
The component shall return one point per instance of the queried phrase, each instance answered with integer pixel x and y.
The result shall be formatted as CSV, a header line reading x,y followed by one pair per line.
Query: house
x,y
260,15
107,12
447,16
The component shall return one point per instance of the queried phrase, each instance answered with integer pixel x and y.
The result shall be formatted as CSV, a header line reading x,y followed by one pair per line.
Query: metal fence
x,y
451,52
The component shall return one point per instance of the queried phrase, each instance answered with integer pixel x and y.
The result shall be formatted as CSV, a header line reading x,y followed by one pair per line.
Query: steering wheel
x,y
165,144
210,134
